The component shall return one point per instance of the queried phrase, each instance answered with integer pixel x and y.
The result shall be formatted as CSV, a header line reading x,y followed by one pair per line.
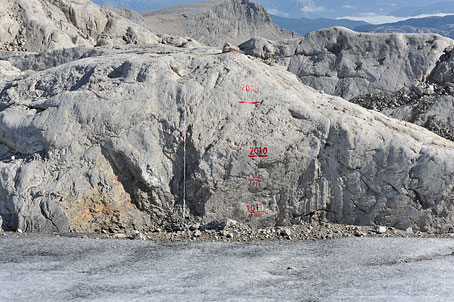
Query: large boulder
x,y
98,142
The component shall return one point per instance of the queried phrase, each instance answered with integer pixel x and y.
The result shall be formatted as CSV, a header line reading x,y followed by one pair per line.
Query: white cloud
x,y
313,9
305,2
373,18
347,6
276,12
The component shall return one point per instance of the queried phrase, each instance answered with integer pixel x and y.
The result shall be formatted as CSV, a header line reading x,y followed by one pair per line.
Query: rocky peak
x,y
216,22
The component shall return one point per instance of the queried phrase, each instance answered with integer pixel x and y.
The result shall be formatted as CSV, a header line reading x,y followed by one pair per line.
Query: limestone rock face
x,y
36,25
216,22
444,70
346,63
97,143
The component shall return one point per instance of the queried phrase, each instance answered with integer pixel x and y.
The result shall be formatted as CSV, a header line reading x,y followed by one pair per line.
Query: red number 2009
x,y
248,88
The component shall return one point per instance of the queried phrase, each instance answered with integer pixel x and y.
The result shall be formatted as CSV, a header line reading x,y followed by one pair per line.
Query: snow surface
x,y
351,269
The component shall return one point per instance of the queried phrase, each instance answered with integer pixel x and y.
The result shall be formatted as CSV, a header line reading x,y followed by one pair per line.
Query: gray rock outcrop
x,y
97,143
444,69
345,63
37,25
216,22
127,13
429,104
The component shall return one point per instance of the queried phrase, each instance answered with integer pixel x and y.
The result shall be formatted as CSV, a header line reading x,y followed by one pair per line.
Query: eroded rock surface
x,y
37,25
348,64
97,143
444,70
130,14
429,103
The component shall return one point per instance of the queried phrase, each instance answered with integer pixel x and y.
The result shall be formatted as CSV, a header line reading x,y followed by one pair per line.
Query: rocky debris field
x,y
228,230
427,104
421,96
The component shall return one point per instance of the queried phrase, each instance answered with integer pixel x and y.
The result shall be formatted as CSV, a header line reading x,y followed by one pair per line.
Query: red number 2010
x,y
259,152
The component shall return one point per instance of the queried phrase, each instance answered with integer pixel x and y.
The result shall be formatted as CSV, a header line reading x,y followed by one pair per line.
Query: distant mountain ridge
x,y
304,26
434,22
436,8
439,25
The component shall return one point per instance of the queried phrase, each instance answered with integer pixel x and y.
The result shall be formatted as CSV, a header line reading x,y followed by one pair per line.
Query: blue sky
x,y
379,11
